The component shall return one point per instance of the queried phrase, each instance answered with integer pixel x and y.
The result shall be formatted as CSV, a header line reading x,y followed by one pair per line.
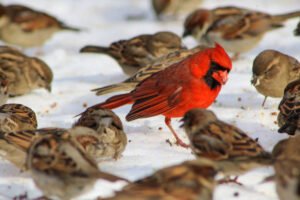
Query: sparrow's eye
x,y
216,67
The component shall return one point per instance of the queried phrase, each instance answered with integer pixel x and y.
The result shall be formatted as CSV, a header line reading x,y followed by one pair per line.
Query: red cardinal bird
x,y
194,82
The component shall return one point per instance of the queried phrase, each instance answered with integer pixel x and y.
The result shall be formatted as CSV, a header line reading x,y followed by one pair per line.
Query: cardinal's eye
x,y
216,67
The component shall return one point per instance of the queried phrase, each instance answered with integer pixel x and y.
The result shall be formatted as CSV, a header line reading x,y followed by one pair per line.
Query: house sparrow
x,y
108,139
289,113
186,181
272,71
174,7
60,168
23,73
27,27
297,30
191,83
139,51
143,73
214,139
14,145
287,168
237,29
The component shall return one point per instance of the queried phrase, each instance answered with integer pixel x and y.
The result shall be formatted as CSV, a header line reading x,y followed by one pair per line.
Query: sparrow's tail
x,y
94,49
286,16
109,177
114,88
69,28
21,140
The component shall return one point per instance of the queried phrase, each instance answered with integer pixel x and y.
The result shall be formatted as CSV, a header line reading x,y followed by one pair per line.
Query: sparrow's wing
x,y
23,139
243,24
31,20
241,143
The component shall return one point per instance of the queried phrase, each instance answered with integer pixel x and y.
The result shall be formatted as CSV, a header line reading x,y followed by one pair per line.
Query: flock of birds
x,y
165,78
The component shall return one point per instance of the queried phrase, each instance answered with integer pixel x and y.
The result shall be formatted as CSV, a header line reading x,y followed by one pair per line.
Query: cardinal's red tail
x,y
115,101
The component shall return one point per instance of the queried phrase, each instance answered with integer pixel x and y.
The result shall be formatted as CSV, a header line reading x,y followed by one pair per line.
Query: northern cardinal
x,y
272,71
27,27
237,29
189,180
195,82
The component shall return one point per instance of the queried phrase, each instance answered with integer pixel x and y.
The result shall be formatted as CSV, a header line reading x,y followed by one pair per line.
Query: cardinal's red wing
x,y
159,93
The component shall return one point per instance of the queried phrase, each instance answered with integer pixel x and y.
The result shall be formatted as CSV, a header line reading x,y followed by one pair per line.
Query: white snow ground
x,y
75,74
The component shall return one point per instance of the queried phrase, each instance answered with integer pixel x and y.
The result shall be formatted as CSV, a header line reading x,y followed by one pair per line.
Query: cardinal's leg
x,y
178,140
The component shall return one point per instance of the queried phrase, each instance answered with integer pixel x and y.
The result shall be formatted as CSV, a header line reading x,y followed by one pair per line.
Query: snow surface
x,y
105,21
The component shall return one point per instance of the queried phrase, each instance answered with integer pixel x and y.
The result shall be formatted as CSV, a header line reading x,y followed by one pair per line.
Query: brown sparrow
x,y
174,7
27,27
297,30
144,72
287,168
60,168
237,29
214,139
272,71
190,180
14,145
139,51
289,112
107,140
23,73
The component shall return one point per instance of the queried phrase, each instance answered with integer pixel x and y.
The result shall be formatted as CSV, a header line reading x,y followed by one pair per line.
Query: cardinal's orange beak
x,y
220,76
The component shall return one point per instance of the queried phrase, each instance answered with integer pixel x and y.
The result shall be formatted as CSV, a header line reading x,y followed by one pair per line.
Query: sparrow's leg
x,y
263,103
178,140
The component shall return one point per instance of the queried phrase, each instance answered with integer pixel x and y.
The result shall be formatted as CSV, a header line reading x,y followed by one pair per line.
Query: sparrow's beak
x,y
182,121
48,87
220,76
255,80
186,33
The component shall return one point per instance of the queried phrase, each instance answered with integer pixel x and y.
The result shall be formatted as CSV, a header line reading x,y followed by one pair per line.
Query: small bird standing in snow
x,y
139,51
214,139
108,139
23,73
237,29
188,180
60,168
272,71
27,27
